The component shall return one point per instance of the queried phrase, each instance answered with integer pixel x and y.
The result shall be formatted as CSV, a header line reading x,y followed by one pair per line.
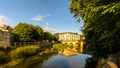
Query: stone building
x,y
74,39
68,36
5,35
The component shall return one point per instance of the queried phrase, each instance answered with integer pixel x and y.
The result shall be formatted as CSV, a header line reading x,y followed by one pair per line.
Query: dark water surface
x,y
59,61
55,61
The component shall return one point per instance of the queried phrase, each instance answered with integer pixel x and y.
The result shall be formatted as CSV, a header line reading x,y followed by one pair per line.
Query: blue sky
x,y
51,15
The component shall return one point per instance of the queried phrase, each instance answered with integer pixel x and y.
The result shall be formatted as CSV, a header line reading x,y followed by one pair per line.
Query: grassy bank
x,y
30,61
18,53
24,52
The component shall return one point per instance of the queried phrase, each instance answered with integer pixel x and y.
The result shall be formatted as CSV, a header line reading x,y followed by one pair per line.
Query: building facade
x,y
74,39
5,35
68,36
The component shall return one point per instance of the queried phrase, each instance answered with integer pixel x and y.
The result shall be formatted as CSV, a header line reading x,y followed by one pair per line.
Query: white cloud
x,y
38,18
4,20
48,29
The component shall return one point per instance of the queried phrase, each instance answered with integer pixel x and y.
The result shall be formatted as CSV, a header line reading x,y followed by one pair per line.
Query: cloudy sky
x,y
51,15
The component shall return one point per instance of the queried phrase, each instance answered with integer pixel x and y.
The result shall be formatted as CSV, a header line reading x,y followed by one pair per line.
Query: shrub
x,y
24,52
3,57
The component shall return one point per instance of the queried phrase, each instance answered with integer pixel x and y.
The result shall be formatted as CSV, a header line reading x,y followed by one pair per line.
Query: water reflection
x,y
69,52
59,61
67,58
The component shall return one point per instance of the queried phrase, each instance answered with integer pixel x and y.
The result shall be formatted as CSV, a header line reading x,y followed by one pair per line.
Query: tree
x,y
47,36
27,32
50,37
23,32
55,37
38,33
101,24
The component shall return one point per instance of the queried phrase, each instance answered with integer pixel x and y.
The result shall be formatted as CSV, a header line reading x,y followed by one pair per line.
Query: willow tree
x,y
101,25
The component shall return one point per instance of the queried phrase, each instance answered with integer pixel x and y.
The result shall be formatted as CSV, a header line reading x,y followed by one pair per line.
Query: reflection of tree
x,y
63,47
35,61
40,61
71,46
60,47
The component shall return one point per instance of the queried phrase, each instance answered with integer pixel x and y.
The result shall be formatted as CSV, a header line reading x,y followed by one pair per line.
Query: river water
x,y
60,61
69,58
56,61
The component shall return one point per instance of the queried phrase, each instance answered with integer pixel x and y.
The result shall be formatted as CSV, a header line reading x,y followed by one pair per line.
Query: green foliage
x,y
55,37
60,47
37,33
27,32
23,32
2,57
101,25
47,36
24,52
21,53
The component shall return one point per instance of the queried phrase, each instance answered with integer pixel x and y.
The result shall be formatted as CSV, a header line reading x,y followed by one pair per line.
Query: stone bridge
x,y
74,43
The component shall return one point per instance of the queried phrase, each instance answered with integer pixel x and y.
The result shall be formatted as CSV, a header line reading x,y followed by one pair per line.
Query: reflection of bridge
x,y
69,52
74,43
71,42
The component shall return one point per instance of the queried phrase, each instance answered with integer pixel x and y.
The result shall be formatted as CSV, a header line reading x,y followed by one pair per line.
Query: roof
x,y
68,33
6,28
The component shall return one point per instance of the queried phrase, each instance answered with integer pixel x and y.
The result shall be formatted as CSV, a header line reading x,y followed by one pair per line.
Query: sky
x,y
52,15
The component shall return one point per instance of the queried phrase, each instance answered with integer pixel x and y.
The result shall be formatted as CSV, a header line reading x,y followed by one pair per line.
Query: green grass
x,y
9,54
24,52
19,56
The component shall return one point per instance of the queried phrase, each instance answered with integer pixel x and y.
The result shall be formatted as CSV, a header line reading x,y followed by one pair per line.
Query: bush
x,y
3,57
24,52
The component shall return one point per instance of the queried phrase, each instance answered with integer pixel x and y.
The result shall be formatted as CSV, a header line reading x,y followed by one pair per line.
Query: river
x,y
60,61
56,60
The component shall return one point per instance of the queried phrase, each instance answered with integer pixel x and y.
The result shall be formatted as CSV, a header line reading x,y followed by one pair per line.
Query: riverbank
x,y
13,55
28,62
48,56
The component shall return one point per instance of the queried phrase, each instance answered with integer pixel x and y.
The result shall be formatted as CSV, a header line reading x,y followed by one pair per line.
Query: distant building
x,y
71,38
68,36
5,35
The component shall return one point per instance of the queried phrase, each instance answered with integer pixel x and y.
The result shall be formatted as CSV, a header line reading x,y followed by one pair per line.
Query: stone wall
x,y
5,38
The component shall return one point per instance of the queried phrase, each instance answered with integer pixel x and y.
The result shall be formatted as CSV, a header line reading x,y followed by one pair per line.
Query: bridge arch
x,y
74,44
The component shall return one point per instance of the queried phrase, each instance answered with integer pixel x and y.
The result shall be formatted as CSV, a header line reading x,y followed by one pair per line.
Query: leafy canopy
x,y
101,24
27,32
